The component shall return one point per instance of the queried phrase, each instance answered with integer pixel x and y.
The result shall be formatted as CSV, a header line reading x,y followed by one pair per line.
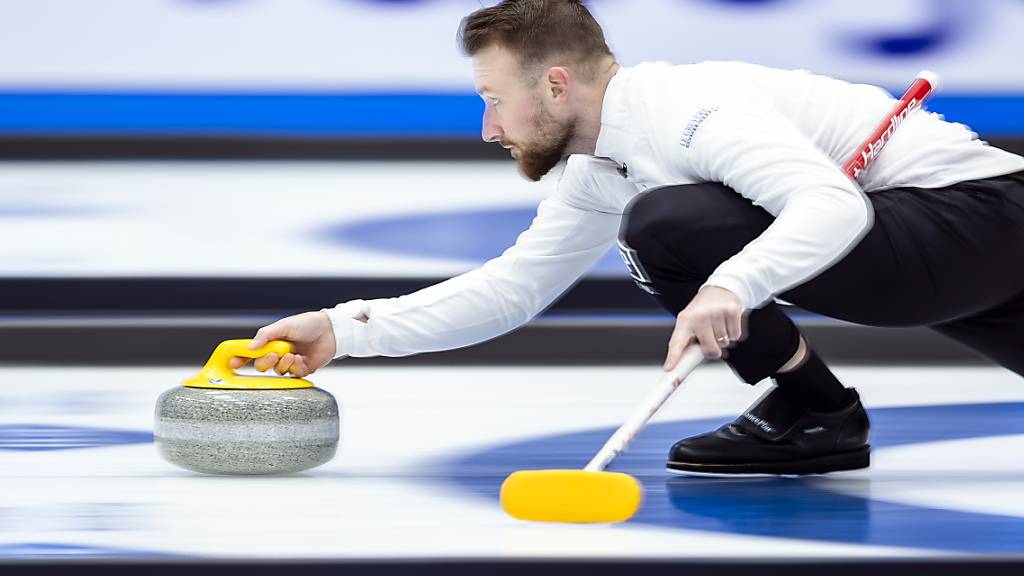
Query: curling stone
x,y
219,422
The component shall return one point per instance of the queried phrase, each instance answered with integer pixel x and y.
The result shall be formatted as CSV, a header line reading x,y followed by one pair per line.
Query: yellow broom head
x,y
571,496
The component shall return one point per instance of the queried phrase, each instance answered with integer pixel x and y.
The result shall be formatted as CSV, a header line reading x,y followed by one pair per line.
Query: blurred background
x,y
227,162
174,173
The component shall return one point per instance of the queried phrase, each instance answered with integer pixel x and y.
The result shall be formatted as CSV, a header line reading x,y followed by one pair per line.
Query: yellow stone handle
x,y
220,362
217,373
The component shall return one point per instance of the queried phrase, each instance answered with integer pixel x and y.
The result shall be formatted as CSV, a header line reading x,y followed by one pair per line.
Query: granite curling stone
x,y
219,422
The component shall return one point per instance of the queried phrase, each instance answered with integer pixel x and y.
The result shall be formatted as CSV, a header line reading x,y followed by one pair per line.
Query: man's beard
x,y
537,158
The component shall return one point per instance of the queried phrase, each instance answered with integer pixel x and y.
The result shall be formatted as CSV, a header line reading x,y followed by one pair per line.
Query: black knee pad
x,y
753,364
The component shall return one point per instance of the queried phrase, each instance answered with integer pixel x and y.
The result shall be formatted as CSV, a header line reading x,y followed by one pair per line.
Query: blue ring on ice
x,y
797,508
44,437
24,210
60,550
474,236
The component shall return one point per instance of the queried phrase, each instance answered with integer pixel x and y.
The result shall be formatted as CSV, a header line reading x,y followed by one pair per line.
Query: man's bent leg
x,y
674,237
671,241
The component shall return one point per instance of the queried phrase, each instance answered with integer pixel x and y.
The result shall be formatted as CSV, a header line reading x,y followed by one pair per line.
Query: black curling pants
x,y
948,258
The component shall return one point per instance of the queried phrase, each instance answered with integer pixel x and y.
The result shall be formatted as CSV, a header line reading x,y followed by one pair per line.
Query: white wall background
x,y
410,45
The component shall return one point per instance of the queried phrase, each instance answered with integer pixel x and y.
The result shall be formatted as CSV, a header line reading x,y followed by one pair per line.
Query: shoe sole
x,y
853,460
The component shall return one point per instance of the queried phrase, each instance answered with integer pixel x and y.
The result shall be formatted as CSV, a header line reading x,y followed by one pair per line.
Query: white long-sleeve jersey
x,y
776,137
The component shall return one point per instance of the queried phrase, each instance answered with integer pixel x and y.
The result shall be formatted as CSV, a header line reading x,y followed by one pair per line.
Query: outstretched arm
x,y
562,243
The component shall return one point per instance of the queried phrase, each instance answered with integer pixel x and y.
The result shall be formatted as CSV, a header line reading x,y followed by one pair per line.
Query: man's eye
x,y
494,101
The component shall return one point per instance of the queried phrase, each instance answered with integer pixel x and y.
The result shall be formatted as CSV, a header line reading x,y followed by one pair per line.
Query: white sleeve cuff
x,y
343,322
735,285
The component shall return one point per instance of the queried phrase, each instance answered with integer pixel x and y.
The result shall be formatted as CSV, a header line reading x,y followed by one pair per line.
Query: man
x,y
721,183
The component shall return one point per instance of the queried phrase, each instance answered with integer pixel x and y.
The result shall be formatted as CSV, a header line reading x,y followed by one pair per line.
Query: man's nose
x,y
491,130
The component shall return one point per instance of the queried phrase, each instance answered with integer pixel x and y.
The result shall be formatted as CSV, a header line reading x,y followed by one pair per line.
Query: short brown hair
x,y
538,32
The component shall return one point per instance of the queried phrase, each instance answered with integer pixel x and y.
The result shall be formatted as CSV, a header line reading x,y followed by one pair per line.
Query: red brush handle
x,y
923,86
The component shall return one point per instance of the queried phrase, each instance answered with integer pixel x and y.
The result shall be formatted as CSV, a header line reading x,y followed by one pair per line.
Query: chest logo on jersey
x,y
694,124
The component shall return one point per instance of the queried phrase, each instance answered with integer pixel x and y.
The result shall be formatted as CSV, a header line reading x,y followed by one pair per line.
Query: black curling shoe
x,y
778,436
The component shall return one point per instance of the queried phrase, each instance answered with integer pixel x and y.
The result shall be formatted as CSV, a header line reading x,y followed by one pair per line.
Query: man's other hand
x,y
714,318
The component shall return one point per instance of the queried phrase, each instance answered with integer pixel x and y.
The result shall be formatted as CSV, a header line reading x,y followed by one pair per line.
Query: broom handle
x,y
692,357
922,87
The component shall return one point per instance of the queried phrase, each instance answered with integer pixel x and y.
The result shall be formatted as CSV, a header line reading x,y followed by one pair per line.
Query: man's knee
x,y
662,216
692,215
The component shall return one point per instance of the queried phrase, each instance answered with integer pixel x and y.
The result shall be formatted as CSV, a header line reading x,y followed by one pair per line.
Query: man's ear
x,y
559,81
